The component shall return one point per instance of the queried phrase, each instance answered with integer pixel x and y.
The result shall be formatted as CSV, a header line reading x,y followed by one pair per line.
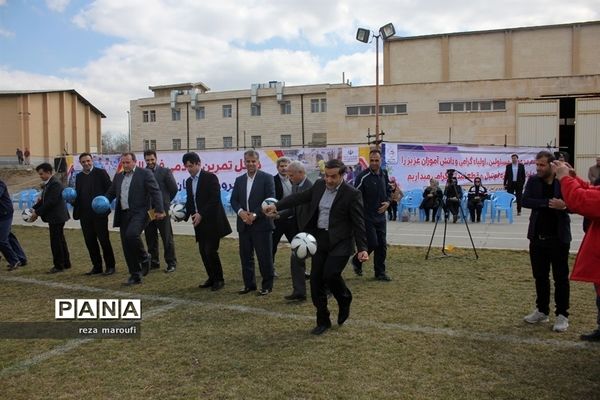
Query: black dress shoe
x,y
246,290
218,285
264,292
295,297
320,329
145,266
383,278
592,336
67,266
23,263
109,271
344,312
14,266
54,270
208,283
133,280
94,271
169,269
154,266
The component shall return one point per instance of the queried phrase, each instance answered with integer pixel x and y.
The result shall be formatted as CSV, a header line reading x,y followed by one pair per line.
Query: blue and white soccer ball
x,y
100,204
69,194
304,245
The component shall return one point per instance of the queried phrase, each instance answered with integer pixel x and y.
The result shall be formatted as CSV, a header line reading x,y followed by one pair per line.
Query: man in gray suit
x,y
300,217
168,188
138,197
253,226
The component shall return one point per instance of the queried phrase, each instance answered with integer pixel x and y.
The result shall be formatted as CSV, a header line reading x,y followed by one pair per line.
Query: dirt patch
x,y
19,179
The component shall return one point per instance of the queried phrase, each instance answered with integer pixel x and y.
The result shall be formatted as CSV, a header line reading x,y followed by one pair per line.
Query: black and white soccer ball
x,y
268,201
26,215
177,212
304,245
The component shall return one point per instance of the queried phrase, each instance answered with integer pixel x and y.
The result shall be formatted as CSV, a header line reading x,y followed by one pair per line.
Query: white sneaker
x,y
535,317
561,324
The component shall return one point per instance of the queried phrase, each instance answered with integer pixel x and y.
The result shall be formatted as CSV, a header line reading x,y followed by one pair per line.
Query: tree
x,y
114,143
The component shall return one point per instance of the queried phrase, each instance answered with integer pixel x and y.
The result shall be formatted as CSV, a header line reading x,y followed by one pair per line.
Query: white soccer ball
x,y
26,214
268,201
304,245
177,212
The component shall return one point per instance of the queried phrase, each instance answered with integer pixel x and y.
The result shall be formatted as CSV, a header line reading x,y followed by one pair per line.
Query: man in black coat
x,y
9,245
53,210
168,188
337,222
138,199
514,180
283,223
89,183
204,205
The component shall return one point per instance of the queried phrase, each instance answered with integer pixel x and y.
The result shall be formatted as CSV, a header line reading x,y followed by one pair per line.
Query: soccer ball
x,y
69,194
26,214
100,205
268,201
177,212
304,245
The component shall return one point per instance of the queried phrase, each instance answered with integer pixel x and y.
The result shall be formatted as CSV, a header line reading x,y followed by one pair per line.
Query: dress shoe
x,y
264,292
218,285
383,278
23,263
155,265
294,297
208,283
592,336
14,266
133,280
169,269
145,264
344,312
54,270
357,266
246,290
109,271
94,271
320,329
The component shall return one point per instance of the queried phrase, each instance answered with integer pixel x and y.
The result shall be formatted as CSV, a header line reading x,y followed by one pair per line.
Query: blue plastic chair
x,y
226,200
411,202
503,201
180,197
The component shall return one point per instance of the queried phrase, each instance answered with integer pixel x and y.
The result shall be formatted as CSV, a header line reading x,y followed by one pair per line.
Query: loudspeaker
x,y
60,164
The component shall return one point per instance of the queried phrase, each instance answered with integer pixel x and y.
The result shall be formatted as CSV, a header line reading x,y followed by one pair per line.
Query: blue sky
x,y
110,51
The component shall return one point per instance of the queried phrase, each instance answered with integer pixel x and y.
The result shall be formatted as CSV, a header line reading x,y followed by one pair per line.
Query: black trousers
x,y
166,233
393,210
261,242
475,209
287,227
58,245
543,255
132,225
95,229
376,240
517,190
326,273
209,252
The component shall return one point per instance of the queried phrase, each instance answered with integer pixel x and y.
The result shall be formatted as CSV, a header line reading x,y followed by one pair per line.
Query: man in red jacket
x,y
583,198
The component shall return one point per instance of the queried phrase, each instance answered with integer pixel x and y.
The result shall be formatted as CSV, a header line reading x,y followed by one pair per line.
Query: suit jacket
x,y
346,217
533,198
278,187
508,175
100,182
207,200
166,182
144,193
302,212
262,188
52,207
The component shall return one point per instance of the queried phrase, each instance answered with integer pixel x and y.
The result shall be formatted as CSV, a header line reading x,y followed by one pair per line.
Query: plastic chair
x,y
411,202
503,202
180,197
226,200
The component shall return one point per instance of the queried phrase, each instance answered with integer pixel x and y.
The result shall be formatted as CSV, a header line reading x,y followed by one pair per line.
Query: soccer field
x,y
448,328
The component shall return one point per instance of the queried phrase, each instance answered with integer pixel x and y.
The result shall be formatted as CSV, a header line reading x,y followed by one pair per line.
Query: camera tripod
x,y
450,174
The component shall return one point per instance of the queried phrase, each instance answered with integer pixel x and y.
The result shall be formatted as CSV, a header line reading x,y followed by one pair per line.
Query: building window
x,y
255,109
176,144
318,105
227,142
176,114
286,140
255,141
200,143
286,107
149,144
472,106
227,113
145,117
200,113
385,109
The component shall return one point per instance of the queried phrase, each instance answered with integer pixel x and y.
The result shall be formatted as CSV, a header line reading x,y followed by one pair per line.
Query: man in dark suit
x,y
283,187
204,205
336,221
89,183
168,188
254,228
9,245
300,217
138,198
53,210
514,180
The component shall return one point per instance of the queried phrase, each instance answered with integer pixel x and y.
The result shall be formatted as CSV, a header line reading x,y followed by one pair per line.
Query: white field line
x,y
453,333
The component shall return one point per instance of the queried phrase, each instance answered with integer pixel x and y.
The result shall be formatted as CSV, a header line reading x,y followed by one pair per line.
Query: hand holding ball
x,y
268,206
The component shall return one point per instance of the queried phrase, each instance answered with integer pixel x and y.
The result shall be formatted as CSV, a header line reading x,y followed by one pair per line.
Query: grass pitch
x,y
448,328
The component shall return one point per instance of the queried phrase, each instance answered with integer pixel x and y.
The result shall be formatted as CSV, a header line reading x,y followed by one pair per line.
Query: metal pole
x,y
128,131
377,91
